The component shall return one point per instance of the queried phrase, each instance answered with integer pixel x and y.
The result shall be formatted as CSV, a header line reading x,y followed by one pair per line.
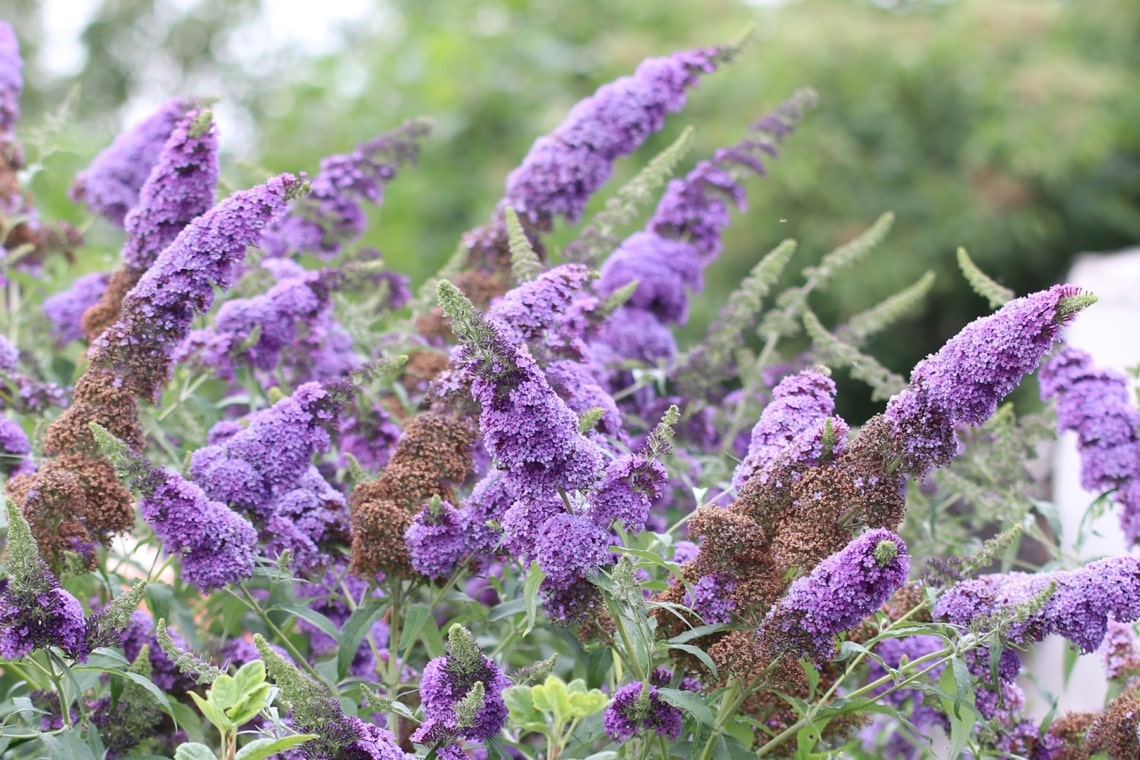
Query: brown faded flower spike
x,y
432,457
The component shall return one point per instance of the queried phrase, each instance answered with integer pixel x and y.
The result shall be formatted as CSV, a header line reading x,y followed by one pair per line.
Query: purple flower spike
x,y
963,383
541,310
799,403
711,598
564,169
11,81
446,680
1078,610
332,216
631,484
665,270
839,593
267,459
629,714
570,547
217,545
436,540
531,431
179,188
52,617
110,186
1096,404
156,315
65,309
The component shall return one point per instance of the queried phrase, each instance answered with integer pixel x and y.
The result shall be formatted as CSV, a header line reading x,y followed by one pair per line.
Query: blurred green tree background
x,y
1011,128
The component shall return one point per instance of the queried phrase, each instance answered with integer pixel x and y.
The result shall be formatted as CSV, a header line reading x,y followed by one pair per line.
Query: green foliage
x,y
600,236
525,264
710,362
553,708
104,627
878,318
981,283
202,670
833,352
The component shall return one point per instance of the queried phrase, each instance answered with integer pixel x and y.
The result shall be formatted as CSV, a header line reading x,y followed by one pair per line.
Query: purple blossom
x,y
276,315
565,168
711,598
569,547
963,383
630,713
1079,609
39,616
65,309
523,523
633,333
217,545
665,270
11,81
530,431
14,449
799,403
1118,651
1096,404
548,313
577,385
178,189
488,502
839,593
155,316
369,435
266,459
695,209
306,519
631,484
110,186
445,682
9,355
332,216
436,540
685,551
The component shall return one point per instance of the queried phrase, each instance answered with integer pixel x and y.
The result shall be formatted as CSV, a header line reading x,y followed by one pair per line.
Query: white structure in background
x,y
1110,332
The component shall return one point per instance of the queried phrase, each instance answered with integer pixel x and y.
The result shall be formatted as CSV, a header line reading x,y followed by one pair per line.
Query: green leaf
x,y
690,702
263,748
224,693
534,578
213,713
507,609
414,619
960,710
318,621
194,751
356,628
585,703
154,691
553,697
158,596
699,654
250,705
250,676
520,704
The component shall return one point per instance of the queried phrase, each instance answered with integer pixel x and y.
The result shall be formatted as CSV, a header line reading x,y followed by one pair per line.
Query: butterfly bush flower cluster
x,y
564,169
1097,405
638,707
111,185
515,469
